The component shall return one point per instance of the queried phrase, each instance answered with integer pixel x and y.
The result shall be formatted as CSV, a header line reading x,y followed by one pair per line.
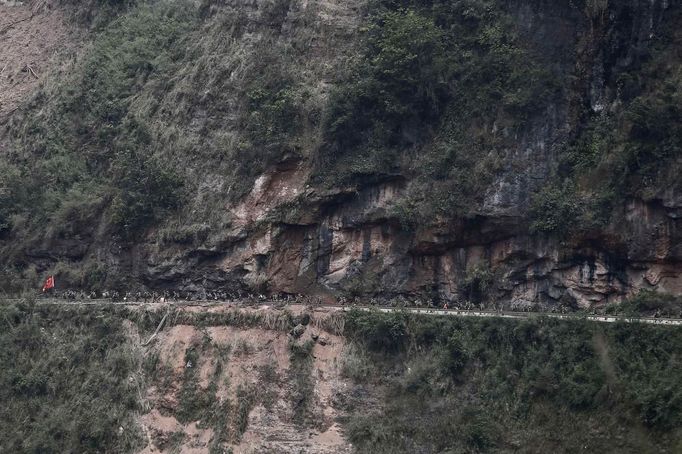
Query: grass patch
x,y
247,398
70,381
648,303
194,402
459,385
301,380
270,382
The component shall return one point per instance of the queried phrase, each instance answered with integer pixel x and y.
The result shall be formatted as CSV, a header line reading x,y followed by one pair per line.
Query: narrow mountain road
x,y
522,315
412,310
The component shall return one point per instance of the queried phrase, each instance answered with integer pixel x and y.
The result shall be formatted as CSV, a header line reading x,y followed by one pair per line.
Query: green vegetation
x,y
649,303
96,14
165,92
70,381
271,380
217,413
247,398
175,108
434,80
462,385
73,379
563,210
629,151
239,103
194,401
227,419
85,150
300,376
477,285
273,117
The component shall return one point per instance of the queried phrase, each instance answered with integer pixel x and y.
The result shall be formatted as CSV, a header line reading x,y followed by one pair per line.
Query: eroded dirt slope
x,y
34,37
254,390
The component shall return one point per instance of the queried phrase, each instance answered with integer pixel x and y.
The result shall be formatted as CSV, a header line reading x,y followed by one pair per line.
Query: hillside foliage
x,y
173,109
70,381
633,149
83,151
462,385
434,80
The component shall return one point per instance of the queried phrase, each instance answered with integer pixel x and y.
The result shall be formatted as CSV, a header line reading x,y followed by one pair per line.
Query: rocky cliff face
x,y
347,245
288,233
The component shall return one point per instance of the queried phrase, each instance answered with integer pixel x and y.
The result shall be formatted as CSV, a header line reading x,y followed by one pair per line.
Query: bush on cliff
x,y
649,303
433,77
631,150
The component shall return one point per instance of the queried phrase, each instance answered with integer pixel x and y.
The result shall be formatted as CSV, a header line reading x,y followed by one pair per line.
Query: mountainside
x,y
512,153
204,378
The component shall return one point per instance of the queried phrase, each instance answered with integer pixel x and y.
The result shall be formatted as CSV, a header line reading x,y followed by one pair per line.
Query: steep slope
x,y
218,387
32,35
217,379
486,152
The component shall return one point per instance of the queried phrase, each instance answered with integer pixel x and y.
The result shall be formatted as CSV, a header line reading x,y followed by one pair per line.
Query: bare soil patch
x,y
234,359
33,38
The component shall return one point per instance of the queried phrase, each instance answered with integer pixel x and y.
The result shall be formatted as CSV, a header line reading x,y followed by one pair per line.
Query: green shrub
x,y
431,74
146,190
566,210
455,355
555,209
273,115
649,302
477,285
466,385
300,376
69,381
355,364
380,332
592,146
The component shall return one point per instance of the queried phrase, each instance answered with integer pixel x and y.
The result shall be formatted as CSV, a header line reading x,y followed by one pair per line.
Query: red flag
x,y
49,283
